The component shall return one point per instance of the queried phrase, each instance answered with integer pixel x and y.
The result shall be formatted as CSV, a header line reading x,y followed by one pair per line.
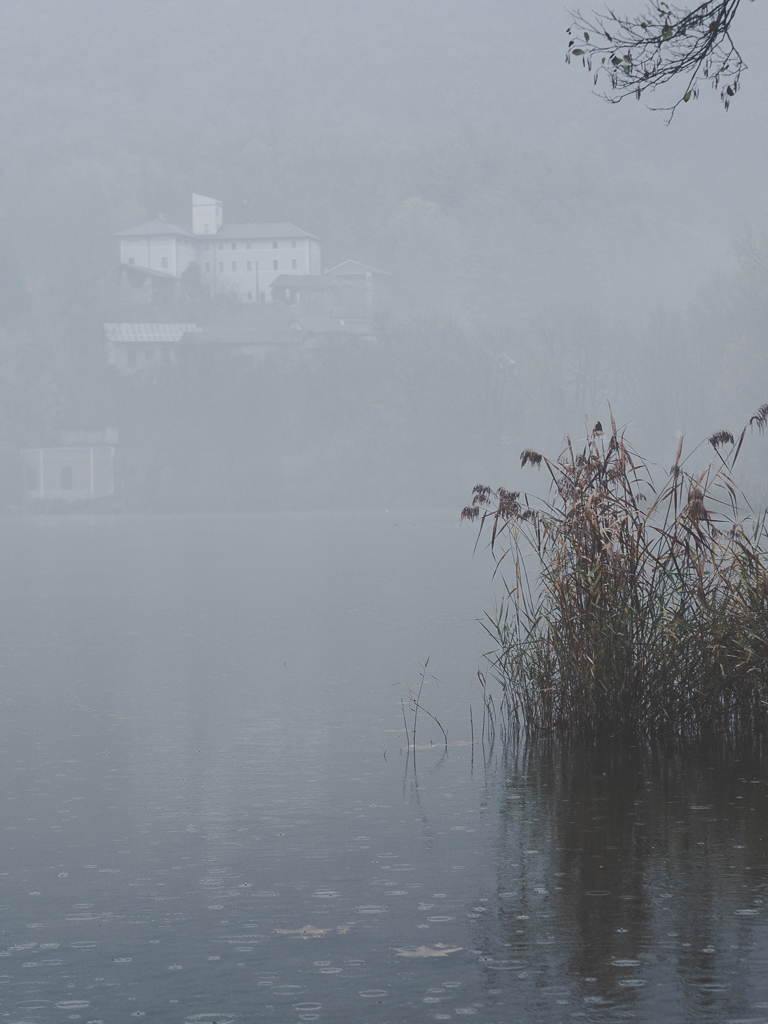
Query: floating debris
x,y
310,932
439,949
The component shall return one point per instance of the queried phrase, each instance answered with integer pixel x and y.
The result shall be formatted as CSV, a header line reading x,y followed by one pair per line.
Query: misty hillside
x,y
446,142
550,252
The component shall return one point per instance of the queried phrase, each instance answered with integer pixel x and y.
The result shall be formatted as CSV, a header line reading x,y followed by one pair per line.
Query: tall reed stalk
x,y
627,607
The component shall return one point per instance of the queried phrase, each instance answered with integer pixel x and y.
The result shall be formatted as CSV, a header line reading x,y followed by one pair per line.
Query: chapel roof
x,y
154,227
277,230
354,268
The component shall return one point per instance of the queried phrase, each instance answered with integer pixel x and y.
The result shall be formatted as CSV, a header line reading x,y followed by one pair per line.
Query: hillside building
x,y
241,260
81,468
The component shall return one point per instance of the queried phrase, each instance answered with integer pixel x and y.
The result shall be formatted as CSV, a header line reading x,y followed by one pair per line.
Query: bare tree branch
x,y
664,43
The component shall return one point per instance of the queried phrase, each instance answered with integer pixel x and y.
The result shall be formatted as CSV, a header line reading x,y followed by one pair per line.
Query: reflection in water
x,y
632,879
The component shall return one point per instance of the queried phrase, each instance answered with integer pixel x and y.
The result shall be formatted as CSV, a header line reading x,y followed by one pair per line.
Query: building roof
x,y
320,324
198,200
303,282
281,230
154,227
161,227
165,275
261,335
149,332
251,337
355,268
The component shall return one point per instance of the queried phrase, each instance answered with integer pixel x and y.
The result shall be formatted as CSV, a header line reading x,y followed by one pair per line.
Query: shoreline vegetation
x,y
629,608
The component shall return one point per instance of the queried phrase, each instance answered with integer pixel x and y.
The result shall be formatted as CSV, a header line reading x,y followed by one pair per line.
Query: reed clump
x,y
630,608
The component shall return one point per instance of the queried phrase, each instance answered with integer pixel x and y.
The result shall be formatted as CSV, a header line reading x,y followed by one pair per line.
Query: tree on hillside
x,y
664,43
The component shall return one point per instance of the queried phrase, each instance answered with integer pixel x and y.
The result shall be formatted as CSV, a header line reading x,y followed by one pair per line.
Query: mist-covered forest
x,y
550,253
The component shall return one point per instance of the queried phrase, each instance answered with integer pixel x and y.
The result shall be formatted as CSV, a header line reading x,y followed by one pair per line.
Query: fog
x,y
549,252
280,282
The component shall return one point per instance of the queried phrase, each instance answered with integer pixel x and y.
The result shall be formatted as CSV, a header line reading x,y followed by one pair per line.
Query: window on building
x,y
207,246
234,265
221,268
130,262
274,245
274,264
247,245
207,268
293,244
234,245
250,296
248,265
221,245
294,264
66,478
31,478
164,262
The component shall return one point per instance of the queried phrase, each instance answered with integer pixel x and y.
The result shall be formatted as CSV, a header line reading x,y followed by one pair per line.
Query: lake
x,y
211,812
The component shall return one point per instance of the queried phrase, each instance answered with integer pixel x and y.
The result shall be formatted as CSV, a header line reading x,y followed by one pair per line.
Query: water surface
x,y
203,751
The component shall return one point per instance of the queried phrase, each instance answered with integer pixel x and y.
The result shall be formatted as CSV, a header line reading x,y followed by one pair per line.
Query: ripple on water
x,y
209,1018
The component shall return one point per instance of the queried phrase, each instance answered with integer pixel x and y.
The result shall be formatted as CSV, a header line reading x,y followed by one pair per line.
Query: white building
x,y
82,468
241,260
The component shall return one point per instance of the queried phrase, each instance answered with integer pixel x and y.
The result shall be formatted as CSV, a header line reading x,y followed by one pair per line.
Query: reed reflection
x,y
632,876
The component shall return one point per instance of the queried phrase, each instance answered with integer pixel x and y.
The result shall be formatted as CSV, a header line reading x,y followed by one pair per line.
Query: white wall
x,y
246,267
170,254
315,260
207,215
240,267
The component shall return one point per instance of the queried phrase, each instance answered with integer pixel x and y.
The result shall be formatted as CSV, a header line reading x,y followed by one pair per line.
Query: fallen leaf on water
x,y
439,949
310,932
